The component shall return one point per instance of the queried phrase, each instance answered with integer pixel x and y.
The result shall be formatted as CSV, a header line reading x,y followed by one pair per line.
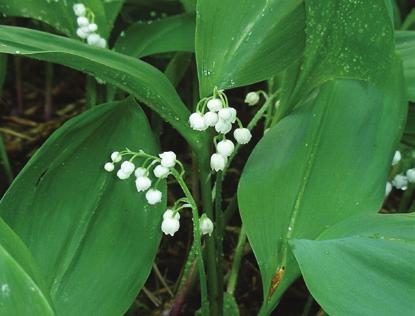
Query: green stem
x,y
215,291
91,92
307,306
236,264
197,240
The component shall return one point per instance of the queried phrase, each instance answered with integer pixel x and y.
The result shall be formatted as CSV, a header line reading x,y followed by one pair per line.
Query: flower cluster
x,y
216,112
171,220
161,166
401,180
87,29
161,170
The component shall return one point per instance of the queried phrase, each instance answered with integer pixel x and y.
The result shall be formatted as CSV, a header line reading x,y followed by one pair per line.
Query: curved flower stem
x,y
197,241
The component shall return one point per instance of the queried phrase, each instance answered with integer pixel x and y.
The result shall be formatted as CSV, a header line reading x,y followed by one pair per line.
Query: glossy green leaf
x,y
242,42
22,290
129,74
93,236
338,144
344,39
363,266
172,34
405,46
60,15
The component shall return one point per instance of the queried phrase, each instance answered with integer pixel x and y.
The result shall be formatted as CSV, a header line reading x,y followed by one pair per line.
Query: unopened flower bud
x,y
82,21
123,175
116,157
225,147
161,172
80,32
93,39
206,225
214,105
252,98
211,118
142,183
168,159
197,122
242,135
79,9
92,27
218,162
109,166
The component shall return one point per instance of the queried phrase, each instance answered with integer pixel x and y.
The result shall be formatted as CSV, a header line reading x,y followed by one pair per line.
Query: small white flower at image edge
x,y
153,196
400,182
116,156
79,9
171,222
388,188
410,175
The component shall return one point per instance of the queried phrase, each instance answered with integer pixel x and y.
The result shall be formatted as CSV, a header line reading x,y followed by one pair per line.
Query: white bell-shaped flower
x,y
388,188
93,39
396,158
161,172
82,21
206,225
140,171
252,98
127,167
223,127
400,182
197,122
123,175
211,118
225,147
80,32
218,162
109,166
242,135
142,183
171,214
410,175
168,159
153,196
116,157
92,27
170,224
102,43
226,114
79,9
233,115
214,105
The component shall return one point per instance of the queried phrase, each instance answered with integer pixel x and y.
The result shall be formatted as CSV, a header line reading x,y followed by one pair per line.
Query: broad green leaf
x,y
22,290
60,15
405,46
363,266
344,39
172,34
338,144
93,236
136,77
242,42
189,5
